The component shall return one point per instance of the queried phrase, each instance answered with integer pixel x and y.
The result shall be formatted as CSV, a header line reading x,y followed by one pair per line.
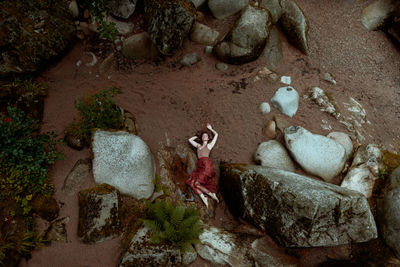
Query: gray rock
x,y
139,46
316,154
272,53
377,14
123,8
273,154
295,210
329,78
99,218
265,253
198,3
73,7
189,256
274,7
246,40
142,253
106,64
224,8
190,59
222,247
286,99
203,34
364,170
57,230
295,24
265,108
51,33
208,49
169,23
390,220
221,66
344,140
124,161
76,176
123,28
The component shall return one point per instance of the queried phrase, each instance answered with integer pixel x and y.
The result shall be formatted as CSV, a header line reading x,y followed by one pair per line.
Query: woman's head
x,y
204,135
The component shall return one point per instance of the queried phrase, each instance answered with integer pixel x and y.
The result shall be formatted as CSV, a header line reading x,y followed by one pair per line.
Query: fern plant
x,y
178,225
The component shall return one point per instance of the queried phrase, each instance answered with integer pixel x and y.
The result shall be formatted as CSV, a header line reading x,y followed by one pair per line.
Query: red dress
x,y
204,174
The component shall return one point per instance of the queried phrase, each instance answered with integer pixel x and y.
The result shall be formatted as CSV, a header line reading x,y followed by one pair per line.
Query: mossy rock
x,y
99,214
391,160
33,34
46,207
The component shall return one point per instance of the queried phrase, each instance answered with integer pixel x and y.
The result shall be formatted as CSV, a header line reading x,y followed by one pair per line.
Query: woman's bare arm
x,y
212,143
194,143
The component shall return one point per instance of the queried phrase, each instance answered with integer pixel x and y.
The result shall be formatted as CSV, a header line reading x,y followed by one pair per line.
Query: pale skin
x,y
203,150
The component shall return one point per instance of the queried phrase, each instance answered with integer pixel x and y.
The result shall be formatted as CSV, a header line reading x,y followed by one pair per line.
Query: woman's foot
x,y
204,199
213,196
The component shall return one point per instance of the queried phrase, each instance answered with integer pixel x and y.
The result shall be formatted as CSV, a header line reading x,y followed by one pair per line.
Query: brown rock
x,y
57,230
130,123
85,28
281,123
106,64
86,14
46,207
199,16
270,129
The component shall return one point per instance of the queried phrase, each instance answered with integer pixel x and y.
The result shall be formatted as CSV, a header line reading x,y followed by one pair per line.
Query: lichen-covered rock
x,y
99,214
295,210
316,154
76,176
222,247
142,253
57,230
33,34
189,256
169,23
247,39
124,161
46,207
224,8
122,8
295,24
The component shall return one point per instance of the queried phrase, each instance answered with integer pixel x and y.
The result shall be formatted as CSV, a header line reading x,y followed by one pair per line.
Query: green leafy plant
x,y
383,173
97,111
107,31
178,225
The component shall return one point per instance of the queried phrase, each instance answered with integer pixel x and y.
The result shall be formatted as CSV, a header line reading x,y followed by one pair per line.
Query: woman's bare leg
x,y
213,196
204,199
206,191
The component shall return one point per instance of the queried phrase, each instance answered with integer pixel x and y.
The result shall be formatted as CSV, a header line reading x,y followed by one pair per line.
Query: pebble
x,y
221,66
73,7
270,129
329,78
208,49
190,59
286,80
265,108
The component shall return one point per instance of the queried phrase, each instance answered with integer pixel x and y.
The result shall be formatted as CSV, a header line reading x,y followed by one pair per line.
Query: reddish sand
x,y
172,102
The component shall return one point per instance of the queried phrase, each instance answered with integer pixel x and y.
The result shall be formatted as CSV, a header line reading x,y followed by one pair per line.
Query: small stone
x,y
273,154
316,154
286,99
123,28
273,76
286,80
208,49
73,7
190,59
265,108
329,78
344,140
57,230
270,129
221,66
76,176
203,34
130,123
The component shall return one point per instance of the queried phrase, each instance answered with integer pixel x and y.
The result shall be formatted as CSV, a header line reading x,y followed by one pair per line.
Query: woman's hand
x,y
209,126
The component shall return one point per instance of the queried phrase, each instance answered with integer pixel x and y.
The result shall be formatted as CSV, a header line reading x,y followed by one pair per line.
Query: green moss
x,y
391,160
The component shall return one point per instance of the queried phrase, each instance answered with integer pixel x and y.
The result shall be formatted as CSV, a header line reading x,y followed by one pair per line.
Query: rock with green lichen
x,y
46,207
99,214
169,23
33,34
247,39
295,210
142,253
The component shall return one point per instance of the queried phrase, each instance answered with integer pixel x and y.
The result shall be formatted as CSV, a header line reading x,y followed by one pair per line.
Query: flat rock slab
x,y
99,218
142,253
76,176
316,154
295,210
124,161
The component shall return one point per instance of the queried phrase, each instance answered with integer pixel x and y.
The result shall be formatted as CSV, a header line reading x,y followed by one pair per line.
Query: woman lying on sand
x,y
202,179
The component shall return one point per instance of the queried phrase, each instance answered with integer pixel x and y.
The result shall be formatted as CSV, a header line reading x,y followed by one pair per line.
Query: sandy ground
x,y
172,102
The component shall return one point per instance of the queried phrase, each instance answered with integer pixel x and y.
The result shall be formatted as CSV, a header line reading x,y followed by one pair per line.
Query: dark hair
x,y
200,133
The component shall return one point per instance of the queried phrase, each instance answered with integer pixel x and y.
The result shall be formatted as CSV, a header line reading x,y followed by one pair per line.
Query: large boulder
x,y
139,46
99,214
376,15
295,25
142,253
316,154
247,39
33,34
273,154
389,213
169,23
124,161
76,176
295,210
224,8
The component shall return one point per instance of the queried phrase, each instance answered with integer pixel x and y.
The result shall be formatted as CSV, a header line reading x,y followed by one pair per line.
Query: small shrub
x,y
178,225
107,31
96,111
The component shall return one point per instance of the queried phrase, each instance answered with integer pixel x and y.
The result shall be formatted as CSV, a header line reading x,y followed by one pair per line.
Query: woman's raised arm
x,y
212,143
194,143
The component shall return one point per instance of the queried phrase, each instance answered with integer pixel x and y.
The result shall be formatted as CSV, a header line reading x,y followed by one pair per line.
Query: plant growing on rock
x,y
96,111
178,225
